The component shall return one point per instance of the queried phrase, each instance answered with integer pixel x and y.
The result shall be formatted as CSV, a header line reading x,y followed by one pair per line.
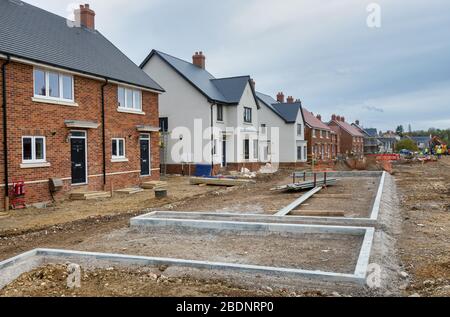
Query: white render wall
x,y
182,104
288,138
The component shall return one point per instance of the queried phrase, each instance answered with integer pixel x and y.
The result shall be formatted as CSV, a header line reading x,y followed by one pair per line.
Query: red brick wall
x,y
26,117
317,141
348,143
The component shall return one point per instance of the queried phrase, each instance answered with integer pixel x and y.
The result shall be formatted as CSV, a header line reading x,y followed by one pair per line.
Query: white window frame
x,y
33,150
47,85
126,106
248,111
118,156
299,129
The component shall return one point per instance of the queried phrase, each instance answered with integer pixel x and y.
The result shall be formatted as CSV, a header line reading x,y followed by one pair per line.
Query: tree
x,y
400,130
407,144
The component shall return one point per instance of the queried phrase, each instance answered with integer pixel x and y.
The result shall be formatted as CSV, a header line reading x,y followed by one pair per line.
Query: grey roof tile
x,y
222,90
31,33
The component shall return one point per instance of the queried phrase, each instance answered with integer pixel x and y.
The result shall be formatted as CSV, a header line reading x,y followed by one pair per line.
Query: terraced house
x,y
77,113
228,107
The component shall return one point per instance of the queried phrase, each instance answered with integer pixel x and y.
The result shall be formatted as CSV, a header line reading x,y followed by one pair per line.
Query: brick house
x,y
351,139
75,108
319,138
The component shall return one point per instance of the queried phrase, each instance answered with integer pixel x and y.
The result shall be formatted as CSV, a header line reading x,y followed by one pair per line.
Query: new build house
x,y
321,138
76,110
351,139
290,137
209,120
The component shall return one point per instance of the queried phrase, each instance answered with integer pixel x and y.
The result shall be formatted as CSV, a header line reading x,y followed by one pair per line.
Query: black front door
x,y
145,156
78,150
224,152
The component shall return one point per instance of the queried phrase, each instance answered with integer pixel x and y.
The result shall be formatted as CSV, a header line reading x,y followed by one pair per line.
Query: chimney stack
x,y
357,122
290,99
199,60
338,118
280,97
319,117
333,117
85,17
253,83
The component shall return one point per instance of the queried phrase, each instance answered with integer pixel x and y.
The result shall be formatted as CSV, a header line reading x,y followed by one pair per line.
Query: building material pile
x,y
154,185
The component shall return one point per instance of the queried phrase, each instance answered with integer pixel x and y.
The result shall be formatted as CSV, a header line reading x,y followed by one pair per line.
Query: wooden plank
x,y
318,213
219,181
298,202
334,196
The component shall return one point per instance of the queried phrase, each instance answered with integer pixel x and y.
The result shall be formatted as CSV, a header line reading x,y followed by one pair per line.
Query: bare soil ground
x,y
33,219
335,253
259,199
51,281
362,191
424,243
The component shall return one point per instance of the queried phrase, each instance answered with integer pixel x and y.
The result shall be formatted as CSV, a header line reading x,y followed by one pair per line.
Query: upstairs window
x,y
247,115
220,113
129,99
53,85
299,129
33,149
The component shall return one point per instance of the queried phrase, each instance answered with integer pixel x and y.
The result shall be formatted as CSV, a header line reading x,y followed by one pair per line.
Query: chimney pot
x,y
333,117
85,17
343,119
199,60
357,122
319,117
280,97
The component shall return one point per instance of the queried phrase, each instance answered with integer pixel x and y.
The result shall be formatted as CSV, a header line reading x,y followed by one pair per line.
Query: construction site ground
x,y
418,245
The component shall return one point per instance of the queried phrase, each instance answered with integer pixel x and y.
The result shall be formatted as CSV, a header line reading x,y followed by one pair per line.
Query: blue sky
x,y
321,52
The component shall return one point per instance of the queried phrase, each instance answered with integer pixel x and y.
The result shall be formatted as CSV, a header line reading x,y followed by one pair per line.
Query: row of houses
x,y
77,112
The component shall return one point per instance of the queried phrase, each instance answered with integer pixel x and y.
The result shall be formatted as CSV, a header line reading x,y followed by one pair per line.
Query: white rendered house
x,y
288,118
194,102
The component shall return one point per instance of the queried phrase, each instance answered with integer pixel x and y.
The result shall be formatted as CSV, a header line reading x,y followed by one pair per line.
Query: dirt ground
x,y
51,281
59,213
421,239
424,244
259,199
335,253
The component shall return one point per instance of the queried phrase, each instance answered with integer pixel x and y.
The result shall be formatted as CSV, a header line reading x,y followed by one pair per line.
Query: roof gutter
x,y
5,131
76,72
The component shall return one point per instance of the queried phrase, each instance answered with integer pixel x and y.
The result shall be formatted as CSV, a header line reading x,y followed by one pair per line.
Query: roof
x,y
313,122
360,129
286,111
349,128
37,35
372,132
220,90
421,139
